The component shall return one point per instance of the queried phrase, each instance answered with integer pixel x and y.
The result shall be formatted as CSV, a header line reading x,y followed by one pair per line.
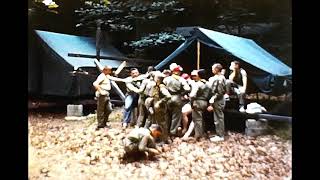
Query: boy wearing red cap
x,y
177,87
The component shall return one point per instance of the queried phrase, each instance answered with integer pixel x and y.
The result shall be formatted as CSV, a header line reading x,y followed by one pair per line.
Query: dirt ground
x,y
61,149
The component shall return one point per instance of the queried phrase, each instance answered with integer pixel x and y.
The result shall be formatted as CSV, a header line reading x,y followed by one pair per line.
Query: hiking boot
x,y
108,125
99,127
217,139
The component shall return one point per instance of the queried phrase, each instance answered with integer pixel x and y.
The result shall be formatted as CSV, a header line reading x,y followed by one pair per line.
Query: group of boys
x,y
166,99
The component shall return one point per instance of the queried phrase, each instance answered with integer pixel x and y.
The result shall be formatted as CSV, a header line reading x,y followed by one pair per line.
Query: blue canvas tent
x,y
63,44
269,74
51,70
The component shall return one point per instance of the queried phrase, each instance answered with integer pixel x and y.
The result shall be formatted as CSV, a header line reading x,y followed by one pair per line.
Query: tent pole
x,y
198,54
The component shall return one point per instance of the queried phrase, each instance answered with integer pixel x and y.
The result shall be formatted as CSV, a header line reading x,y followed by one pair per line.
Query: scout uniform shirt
x,y
176,84
134,84
105,84
157,91
218,85
199,90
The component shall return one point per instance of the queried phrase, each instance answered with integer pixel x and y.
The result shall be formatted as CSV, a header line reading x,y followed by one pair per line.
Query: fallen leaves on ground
x,y
74,150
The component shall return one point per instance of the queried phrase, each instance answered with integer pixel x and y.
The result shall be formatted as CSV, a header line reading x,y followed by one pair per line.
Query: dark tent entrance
x,y
203,48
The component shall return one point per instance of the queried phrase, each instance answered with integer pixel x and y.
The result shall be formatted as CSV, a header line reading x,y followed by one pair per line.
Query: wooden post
x,y
198,55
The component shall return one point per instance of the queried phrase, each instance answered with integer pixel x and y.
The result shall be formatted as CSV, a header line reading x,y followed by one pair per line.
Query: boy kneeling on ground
x,y
142,140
